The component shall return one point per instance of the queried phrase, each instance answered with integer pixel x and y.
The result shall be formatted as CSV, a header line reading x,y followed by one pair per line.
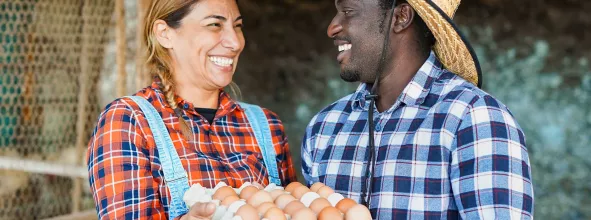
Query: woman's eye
x,y
239,25
215,25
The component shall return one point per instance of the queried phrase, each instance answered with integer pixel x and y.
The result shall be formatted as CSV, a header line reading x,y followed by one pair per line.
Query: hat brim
x,y
451,46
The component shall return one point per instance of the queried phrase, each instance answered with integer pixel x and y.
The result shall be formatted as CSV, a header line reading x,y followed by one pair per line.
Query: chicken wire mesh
x,y
51,55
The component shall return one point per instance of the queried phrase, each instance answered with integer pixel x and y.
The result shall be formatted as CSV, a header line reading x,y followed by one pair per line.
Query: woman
x,y
193,48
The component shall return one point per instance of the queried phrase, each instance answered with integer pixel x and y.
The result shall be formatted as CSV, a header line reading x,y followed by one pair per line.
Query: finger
x,y
202,209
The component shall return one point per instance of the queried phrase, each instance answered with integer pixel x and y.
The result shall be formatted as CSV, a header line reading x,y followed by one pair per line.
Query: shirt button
x,y
378,127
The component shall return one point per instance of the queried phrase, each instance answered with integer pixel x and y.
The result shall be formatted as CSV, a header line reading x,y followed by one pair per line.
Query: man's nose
x,y
334,28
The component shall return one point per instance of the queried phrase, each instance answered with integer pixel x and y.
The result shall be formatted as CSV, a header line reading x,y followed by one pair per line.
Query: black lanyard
x,y
367,187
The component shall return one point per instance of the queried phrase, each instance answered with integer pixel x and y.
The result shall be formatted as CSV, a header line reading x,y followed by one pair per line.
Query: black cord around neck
x,y
367,186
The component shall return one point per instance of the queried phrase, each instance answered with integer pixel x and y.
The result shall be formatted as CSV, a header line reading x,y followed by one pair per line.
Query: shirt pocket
x,y
248,166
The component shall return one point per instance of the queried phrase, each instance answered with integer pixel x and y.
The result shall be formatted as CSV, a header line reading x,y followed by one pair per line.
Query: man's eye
x,y
215,25
347,12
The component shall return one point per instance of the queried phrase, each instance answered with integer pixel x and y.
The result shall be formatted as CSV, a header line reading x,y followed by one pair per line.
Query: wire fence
x,y
51,56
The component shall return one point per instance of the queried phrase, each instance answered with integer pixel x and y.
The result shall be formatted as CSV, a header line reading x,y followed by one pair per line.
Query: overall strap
x,y
174,173
262,132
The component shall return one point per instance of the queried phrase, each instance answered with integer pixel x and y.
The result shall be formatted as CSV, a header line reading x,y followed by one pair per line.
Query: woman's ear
x,y
163,33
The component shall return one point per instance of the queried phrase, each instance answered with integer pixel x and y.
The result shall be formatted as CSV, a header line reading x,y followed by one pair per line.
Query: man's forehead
x,y
347,1
356,2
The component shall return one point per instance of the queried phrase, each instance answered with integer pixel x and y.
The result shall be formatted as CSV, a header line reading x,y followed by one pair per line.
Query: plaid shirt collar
x,y
414,93
226,103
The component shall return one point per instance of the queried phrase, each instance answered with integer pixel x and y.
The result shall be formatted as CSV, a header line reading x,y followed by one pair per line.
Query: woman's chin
x,y
222,83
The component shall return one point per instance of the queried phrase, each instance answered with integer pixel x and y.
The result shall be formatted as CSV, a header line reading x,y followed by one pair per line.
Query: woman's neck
x,y
200,98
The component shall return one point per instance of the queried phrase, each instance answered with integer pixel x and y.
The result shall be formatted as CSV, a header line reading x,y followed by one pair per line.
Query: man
x,y
442,148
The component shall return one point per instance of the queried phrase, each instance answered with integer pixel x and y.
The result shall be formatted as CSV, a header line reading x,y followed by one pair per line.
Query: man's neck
x,y
393,82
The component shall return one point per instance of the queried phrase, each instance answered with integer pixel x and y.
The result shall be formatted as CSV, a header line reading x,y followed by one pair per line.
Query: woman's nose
x,y
231,40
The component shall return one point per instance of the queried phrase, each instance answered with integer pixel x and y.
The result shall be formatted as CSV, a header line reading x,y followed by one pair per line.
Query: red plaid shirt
x,y
125,173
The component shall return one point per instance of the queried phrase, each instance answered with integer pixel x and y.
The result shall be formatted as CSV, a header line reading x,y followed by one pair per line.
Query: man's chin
x,y
350,76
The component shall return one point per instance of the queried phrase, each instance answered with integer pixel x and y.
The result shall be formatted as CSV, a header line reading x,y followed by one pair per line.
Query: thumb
x,y
209,208
202,209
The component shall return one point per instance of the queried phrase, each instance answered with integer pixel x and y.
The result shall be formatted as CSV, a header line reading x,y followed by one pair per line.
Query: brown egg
x,y
319,204
292,186
330,213
247,192
283,200
258,185
345,204
300,191
259,197
229,200
292,207
275,214
223,192
276,193
264,207
325,191
316,186
247,212
303,214
358,212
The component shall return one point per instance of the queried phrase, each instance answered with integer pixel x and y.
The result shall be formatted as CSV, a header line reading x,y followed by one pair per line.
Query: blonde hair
x,y
158,58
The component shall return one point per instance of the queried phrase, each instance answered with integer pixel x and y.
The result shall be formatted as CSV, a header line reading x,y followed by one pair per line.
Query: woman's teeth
x,y
222,61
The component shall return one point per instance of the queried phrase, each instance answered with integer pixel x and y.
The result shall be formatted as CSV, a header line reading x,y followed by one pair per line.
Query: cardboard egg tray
x,y
294,202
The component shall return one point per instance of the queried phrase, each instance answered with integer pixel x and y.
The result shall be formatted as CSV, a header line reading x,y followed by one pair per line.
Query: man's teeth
x,y
344,47
222,61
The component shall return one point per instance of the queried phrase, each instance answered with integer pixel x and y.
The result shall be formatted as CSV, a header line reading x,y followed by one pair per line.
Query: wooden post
x,y
121,42
85,68
141,78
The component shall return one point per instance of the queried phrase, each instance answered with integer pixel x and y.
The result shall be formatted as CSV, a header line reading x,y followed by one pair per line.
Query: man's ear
x,y
163,33
403,16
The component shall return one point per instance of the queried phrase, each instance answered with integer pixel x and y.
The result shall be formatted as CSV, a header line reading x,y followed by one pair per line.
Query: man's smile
x,y
344,48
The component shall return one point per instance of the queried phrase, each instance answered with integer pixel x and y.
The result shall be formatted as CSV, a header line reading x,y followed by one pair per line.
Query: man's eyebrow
x,y
219,17
343,3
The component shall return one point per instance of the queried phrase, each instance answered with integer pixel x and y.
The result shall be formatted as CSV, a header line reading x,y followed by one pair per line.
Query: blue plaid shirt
x,y
444,150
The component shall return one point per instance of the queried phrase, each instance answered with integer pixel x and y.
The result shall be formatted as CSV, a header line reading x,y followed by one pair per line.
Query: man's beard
x,y
350,72
351,75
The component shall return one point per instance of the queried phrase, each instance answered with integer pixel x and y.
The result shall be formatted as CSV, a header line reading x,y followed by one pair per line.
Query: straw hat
x,y
451,47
